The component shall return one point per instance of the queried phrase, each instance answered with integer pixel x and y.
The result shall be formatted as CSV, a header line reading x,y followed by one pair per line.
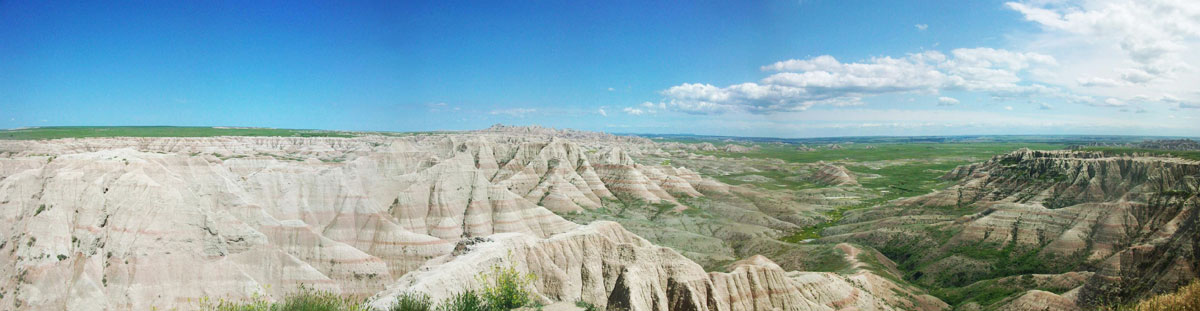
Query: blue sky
x,y
773,68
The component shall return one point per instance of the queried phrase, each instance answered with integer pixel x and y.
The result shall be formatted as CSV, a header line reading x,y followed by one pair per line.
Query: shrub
x,y
304,300
504,288
311,300
1186,298
464,301
256,303
412,302
586,306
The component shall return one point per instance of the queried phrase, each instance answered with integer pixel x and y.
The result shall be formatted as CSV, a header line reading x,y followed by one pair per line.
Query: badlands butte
x,y
600,220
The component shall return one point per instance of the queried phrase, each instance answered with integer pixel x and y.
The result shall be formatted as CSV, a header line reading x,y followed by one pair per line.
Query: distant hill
x,y
55,132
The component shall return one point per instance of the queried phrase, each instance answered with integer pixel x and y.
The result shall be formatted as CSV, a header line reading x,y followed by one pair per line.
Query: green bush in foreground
x,y
412,302
464,301
305,300
503,288
318,301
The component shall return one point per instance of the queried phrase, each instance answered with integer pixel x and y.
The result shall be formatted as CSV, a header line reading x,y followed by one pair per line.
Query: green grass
x,y
872,263
780,180
586,306
304,300
988,292
464,301
906,180
414,302
156,131
984,292
1011,260
814,258
834,216
916,172
502,288
889,151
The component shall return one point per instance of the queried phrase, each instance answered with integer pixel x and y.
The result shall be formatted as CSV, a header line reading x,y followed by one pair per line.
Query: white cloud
x,y
1098,82
947,101
611,89
1170,99
1117,47
1110,102
994,70
1009,108
439,107
799,84
1045,106
653,106
513,112
871,121
602,112
645,108
921,27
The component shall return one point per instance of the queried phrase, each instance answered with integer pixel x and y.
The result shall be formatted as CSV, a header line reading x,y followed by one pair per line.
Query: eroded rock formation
x,y
141,223
834,175
1135,217
605,265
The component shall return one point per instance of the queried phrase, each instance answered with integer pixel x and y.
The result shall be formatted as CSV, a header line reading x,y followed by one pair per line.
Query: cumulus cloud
x,y
1009,108
1101,53
602,112
1181,104
799,84
1153,34
1098,82
947,101
1110,102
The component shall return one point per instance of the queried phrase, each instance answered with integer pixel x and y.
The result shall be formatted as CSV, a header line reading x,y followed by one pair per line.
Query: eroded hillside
x,y
141,223
617,222
1044,214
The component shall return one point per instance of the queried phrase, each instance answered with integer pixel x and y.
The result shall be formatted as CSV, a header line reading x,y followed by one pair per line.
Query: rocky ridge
x,y
135,223
1132,219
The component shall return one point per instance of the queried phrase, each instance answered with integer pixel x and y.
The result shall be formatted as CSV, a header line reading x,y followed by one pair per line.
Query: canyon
x,y
618,222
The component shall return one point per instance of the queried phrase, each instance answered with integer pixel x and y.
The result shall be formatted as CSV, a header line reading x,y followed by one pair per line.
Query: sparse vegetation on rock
x,y
459,221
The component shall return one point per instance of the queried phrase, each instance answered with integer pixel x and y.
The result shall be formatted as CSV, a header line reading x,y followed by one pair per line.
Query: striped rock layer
x,y
143,223
1138,216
